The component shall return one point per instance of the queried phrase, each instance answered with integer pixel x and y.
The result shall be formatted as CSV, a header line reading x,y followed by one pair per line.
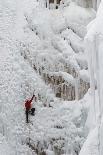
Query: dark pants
x,y
33,111
27,115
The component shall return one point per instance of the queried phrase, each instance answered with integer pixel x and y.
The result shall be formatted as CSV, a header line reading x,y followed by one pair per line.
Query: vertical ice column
x,y
94,3
90,57
98,2
47,1
42,3
97,71
100,66
99,77
77,85
95,62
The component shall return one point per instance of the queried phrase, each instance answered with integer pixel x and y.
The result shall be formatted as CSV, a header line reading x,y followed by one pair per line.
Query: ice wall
x,y
94,47
94,41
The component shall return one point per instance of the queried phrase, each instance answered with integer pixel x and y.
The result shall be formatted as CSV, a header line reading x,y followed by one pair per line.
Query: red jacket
x,y
28,103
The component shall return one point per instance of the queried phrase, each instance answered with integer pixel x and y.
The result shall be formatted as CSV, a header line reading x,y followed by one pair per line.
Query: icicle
x,y
48,6
90,49
77,87
61,90
97,68
98,3
99,75
65,91
94,3
55,2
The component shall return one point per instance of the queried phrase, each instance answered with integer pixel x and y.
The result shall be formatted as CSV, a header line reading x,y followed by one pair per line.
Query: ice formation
x,y
43,50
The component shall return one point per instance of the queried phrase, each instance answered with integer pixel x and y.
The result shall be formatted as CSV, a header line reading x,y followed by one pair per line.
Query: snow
x,y
20,79
76,42
57,20
91,144
55,123
3,145
59,122
67,77
82,15
84,75
82,61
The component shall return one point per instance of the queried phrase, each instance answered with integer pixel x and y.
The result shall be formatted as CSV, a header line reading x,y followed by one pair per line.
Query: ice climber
x,y
28,108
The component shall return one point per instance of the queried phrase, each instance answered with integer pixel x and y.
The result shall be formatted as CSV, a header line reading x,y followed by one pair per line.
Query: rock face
x,y
83,3
57,1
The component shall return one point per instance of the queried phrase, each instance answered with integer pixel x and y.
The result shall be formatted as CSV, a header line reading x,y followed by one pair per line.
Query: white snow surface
x,y
91,144
63,121
57,20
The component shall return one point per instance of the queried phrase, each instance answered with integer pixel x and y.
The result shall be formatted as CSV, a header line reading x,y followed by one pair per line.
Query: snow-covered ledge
x,y
94,49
